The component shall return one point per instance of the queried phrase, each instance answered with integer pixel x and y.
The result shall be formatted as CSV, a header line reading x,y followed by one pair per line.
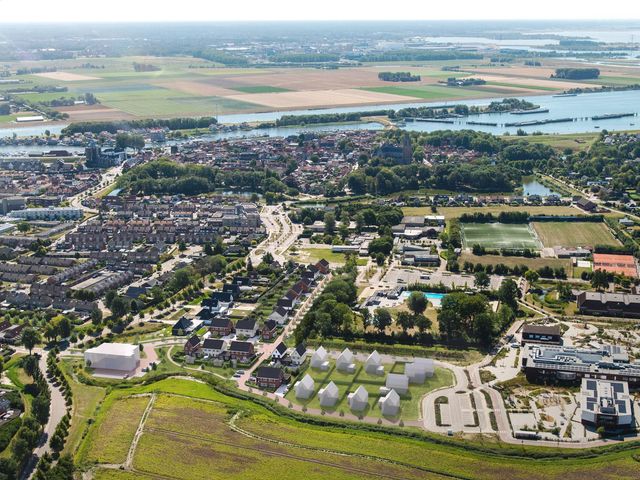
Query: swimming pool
x,y
434,298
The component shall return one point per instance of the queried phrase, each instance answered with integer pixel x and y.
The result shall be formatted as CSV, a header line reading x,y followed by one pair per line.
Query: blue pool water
x,y
432,297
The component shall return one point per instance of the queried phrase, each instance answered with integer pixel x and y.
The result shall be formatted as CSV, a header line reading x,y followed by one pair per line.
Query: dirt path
x,y
136,438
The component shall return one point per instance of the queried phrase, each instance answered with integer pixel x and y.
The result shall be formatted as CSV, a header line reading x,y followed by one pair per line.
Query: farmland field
x,y
574,234
430,92
499,235
188,436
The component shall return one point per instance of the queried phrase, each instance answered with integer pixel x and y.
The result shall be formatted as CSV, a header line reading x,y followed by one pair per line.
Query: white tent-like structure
x,y
390,404
328,395
320,359
359,399
419,370
373,364
122,357
344,362
304,388
397,382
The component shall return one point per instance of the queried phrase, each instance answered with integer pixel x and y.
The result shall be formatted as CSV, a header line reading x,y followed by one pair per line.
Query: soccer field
x,y
574,234
499,235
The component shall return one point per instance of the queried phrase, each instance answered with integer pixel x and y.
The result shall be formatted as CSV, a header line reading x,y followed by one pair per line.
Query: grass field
x,y
428,92
532,263
260,89
498,236
455,212
349,382
313,255
575,141
574,234
186,438
111,439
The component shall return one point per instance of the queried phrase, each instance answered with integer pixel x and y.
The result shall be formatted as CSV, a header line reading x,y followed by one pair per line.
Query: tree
x,y
96,316
23,227
422,323
509,293
30,338
482,280
30,366
267,258
381,319
405,320
182,246
208,248
417,303
600,280
65,327
120,307
40,408
329,223
531,276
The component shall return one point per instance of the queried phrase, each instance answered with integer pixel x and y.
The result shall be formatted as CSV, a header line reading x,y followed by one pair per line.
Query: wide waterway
x,y
581,108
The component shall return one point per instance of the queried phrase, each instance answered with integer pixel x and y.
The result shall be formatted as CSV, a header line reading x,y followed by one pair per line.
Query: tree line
x,y
180,123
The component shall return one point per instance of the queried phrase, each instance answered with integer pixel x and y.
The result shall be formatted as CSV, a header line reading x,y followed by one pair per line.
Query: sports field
x,y
574,234
499,235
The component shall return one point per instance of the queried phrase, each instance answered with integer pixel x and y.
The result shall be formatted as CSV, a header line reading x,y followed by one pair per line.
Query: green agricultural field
x,y
611,80
575,141
111,436
260,89
189,437
428,92
519,85
499,235
574,234
349,382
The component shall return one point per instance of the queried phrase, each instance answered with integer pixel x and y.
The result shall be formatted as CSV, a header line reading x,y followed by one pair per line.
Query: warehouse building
x,y
122,357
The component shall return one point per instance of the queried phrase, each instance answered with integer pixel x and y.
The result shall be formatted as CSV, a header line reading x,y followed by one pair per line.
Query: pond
x,y
531,186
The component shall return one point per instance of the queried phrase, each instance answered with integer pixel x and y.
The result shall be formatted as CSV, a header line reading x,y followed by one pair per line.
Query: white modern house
x,y
298,355
304,388
359,399
328,395
246,328
122,357
320,359
606,403
373,364
344,362
398,382
279,315
390,404
419,370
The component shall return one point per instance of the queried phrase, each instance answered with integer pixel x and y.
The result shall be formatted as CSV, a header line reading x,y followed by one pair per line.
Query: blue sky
x,y
224,10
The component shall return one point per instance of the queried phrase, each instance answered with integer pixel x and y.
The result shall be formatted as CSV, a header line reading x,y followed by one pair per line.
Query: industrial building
x,y
605,403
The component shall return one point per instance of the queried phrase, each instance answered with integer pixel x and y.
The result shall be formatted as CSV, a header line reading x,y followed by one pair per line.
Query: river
x,y
581,107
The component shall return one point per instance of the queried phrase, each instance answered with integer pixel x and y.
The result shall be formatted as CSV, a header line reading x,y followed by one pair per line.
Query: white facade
x,y
123,357
606,402
320,359
419,370
373,364
344,362
304,388
390,404
398,382
328,395
359,399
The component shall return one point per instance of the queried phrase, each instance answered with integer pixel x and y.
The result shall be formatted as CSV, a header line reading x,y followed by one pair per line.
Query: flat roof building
x,y
546,334
605,403
624,264
122,357
608,304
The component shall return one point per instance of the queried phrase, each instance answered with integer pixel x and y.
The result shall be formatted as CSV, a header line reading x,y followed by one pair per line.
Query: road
x,y
281,234
57,410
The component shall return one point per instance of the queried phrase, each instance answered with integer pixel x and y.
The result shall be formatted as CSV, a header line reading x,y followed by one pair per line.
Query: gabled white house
x,y
320,359
390,404
304,388
344,362
419,370
328,395
280,352
246,328
397,382
359,399
373,364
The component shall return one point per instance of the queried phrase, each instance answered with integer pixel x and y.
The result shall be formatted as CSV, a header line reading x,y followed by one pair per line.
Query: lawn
x,y
455,212
532,263
260,89
499,235
347,383
86,399
205,448
313,255
574,234
114,429
428,92
574,141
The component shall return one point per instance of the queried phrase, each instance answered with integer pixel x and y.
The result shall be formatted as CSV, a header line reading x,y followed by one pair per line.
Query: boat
x,y
560,95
